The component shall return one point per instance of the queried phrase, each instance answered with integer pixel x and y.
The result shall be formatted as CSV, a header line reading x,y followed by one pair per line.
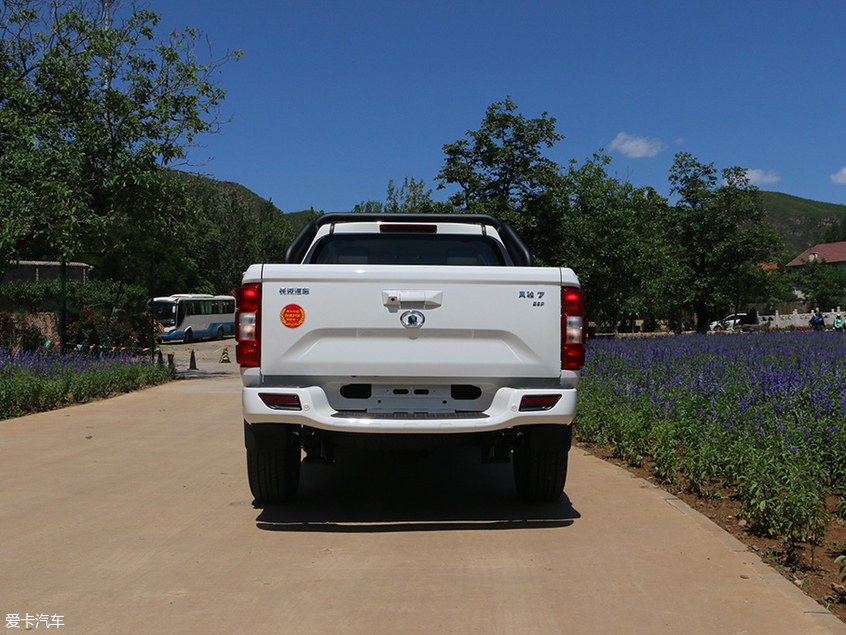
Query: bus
x,y
193,316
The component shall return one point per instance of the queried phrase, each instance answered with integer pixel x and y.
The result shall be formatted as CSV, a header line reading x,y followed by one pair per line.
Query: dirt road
x,y
133,516
207,358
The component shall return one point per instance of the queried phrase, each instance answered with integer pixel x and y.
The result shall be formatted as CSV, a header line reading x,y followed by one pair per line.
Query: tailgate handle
x,y
426,298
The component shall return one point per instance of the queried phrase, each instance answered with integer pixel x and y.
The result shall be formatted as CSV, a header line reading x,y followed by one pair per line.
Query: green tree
x,y
836,232
228,229
823,284
215,230
615,244
718,236
91,108
368,207
500,170
413,198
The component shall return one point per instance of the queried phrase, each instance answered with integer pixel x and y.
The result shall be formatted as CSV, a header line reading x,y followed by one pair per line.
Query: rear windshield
x,y
409,249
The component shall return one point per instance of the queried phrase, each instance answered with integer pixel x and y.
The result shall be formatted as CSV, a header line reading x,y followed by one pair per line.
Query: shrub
x,y
760,412
101,331
45,380
8,332
13,336
30,338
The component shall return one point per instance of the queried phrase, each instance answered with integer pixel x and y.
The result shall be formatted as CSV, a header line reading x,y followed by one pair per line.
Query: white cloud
x,y
759,177
636,147
839,178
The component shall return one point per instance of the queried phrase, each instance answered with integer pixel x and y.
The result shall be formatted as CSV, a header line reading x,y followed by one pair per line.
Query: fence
x,y
795,319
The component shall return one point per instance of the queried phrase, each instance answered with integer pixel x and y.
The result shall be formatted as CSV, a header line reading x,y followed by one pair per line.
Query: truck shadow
x,y
448,490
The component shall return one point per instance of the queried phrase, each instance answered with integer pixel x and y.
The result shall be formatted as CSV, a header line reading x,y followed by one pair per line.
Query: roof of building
x,y
830,252
48,263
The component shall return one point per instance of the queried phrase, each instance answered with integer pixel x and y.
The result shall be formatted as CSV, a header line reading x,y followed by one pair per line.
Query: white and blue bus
x,y
194,316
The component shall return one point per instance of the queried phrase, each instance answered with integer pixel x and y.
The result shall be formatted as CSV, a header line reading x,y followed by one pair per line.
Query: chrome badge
x,y
412,319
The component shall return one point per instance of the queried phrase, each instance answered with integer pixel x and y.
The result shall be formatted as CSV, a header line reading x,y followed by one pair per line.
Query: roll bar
x,y
517,249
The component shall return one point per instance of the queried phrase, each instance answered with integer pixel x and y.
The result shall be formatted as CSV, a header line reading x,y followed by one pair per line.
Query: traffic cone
x,y
193,364
224,359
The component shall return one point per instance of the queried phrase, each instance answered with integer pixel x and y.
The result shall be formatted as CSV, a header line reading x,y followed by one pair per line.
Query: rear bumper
x,y
315,412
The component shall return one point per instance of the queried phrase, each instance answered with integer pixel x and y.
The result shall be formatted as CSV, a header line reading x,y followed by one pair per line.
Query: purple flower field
x,y
763,414
33,382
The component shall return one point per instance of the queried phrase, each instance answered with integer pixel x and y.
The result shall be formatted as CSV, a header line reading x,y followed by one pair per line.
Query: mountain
x,y
800,221
298,220
246,198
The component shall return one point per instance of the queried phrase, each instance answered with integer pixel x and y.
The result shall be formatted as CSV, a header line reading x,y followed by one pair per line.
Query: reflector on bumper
x,y
530,403
281,402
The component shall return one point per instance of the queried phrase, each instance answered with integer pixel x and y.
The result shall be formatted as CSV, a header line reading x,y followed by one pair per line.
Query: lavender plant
x,y
763,413
33,382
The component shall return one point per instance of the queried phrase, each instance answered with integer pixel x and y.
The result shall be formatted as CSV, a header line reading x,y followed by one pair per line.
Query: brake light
x,y
248,325
572,328
406,228
248,297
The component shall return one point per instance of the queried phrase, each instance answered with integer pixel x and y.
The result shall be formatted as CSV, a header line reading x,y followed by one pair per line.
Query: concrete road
x,y
133,516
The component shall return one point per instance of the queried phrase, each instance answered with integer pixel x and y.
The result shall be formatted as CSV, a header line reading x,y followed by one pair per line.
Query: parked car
x,y
730,322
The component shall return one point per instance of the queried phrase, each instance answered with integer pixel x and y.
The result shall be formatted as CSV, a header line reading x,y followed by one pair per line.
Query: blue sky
x,y
332,99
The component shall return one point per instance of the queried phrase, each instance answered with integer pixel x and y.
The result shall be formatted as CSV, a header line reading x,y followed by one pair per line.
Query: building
x,y
830,253
34,270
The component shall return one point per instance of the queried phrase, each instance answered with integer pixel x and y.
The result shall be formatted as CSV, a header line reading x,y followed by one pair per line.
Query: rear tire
x,y
540,474
220,333
273,462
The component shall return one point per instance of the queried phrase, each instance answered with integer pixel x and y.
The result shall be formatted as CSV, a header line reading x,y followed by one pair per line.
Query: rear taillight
x,y
572,328
248,325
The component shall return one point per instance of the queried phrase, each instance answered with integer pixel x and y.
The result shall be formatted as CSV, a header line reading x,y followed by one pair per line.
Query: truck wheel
x,y
539,473
273,463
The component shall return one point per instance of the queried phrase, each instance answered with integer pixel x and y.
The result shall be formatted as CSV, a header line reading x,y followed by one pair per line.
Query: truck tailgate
x,y
410,321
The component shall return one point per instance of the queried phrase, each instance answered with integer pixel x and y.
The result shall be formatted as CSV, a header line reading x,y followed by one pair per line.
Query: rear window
x,y
409,249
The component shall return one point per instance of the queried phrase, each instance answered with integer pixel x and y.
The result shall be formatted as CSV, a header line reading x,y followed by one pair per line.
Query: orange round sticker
x,y
293,316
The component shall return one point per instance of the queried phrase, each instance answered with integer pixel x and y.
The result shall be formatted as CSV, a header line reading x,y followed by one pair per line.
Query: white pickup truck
x,y
408,333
